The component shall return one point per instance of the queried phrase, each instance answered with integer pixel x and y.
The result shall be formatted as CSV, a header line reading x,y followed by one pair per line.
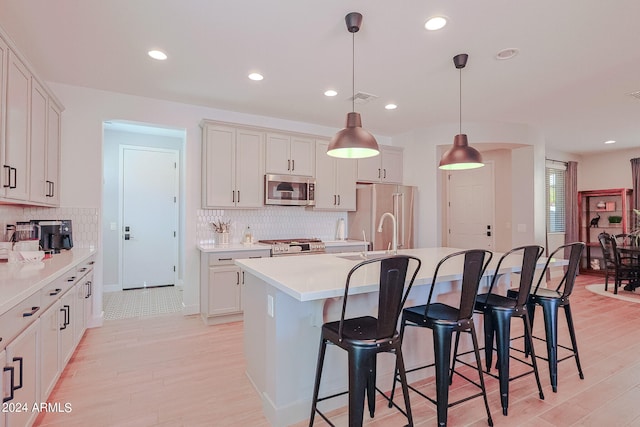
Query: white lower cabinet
x,y
21,372
3,373
221,284
50,348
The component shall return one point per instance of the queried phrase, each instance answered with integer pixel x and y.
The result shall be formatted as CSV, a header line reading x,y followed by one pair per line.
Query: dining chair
x,y
551,300
623,267
445,320
365,336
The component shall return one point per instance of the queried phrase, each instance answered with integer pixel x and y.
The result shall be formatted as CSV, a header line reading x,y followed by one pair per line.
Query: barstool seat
x,y
551,300
365,336
445,320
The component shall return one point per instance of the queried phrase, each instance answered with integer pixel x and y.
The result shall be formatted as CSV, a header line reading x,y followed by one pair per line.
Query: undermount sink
x,y
363,257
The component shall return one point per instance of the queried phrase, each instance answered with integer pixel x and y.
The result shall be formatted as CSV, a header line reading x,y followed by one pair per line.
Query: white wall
x,y
606,170
81,174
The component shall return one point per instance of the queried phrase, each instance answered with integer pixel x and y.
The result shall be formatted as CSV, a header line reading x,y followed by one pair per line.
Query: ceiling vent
x,y
362,98
635,94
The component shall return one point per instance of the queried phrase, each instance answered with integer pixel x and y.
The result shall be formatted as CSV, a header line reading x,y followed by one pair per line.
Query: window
x,y
555,175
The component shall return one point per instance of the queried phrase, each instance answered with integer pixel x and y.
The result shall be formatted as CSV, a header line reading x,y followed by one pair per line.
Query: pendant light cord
x,y
353,71
460,103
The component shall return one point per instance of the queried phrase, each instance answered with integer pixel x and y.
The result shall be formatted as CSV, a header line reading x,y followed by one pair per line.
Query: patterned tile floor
x,y
142,302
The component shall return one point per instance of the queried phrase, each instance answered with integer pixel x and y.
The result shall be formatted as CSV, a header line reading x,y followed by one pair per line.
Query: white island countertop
x,y
308,278
19,281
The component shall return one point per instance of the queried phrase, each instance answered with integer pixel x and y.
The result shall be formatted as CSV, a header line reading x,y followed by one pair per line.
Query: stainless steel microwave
x,y
289,190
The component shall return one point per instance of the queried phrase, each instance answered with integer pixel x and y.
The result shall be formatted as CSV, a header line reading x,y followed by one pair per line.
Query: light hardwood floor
x,y
175,371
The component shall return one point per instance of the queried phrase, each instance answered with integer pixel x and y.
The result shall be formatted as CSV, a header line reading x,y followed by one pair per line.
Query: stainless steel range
x,y
295,246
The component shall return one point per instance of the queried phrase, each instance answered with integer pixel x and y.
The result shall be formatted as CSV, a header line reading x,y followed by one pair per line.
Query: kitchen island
x,y
286,301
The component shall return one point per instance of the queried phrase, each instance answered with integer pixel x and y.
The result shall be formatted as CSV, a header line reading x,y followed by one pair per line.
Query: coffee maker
x,y
55,235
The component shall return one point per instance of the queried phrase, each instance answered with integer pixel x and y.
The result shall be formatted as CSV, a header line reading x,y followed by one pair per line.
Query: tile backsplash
x,y
85,221
270,222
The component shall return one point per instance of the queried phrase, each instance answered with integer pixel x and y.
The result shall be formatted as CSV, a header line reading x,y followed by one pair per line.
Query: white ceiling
x,y
579,59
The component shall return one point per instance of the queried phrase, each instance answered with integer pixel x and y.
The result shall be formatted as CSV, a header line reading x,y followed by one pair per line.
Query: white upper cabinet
x,y
289,155
232,168
30,123
386,167
335,181
16,145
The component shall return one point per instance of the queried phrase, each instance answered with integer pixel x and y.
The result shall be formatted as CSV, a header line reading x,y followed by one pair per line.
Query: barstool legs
x,y
572,334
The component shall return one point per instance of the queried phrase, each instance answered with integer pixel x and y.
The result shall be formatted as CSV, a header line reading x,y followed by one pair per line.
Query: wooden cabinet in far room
x,y
610,211
335,181
385,167
232,167
289,154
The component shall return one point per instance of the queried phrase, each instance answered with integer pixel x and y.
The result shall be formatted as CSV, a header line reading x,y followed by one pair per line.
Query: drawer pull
x,y
32,312
83,269
225,259
20,361
55,292
10,397
71,279
254,257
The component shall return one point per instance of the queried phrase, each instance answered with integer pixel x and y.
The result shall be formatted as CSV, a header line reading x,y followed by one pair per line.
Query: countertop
x,y
308,278
233,247
21,280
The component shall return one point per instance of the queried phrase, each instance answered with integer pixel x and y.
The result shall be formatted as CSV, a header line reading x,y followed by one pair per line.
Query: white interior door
x,y
471,208
149,242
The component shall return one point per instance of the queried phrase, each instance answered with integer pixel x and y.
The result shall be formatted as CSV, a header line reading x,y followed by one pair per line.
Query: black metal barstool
x,y
444,320
498,310
551,300
364,337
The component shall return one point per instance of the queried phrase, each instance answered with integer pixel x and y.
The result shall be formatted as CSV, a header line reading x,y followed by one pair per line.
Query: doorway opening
x,y
143,212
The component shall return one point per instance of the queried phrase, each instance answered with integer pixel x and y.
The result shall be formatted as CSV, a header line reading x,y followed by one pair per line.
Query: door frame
x,y
121,150
492,183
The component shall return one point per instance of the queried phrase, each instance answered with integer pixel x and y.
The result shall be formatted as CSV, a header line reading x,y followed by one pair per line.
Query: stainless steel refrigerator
x,y
373,200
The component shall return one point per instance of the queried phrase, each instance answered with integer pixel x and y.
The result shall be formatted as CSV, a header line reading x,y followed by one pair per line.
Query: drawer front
x,y
54,290
19,318
226,258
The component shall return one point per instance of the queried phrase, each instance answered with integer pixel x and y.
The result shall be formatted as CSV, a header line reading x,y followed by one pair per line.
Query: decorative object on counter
x,y
340,230
594,221
461,155
247,239
221,229
353,141
615,219
601,205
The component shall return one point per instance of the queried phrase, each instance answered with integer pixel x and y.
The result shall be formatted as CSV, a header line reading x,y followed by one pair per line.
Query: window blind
x,y
555,176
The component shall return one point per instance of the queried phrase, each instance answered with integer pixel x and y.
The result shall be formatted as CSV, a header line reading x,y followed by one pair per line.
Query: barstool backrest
x,y
393,291
565,287
474,264
530,255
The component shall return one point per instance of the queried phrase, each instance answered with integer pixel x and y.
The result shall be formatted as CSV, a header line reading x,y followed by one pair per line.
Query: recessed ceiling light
x,y
435,23
330,92
611,141
256,76
391,106
507,53
157,54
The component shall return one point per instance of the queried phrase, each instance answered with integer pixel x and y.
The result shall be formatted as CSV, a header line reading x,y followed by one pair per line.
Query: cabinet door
x,y
87,285
54,122
16,163
218,167
3,392
302,155
65,326
22,355
346,184
4,53
224,290
370,169
249,169
50,364
392,164
77,315
277,160
326,197
38,164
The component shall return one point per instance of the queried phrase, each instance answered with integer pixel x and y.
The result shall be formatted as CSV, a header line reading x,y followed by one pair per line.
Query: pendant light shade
x,y
461,155
353,141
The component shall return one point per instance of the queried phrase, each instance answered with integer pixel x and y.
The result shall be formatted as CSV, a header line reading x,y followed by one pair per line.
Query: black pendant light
x,y
461,155
353,141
